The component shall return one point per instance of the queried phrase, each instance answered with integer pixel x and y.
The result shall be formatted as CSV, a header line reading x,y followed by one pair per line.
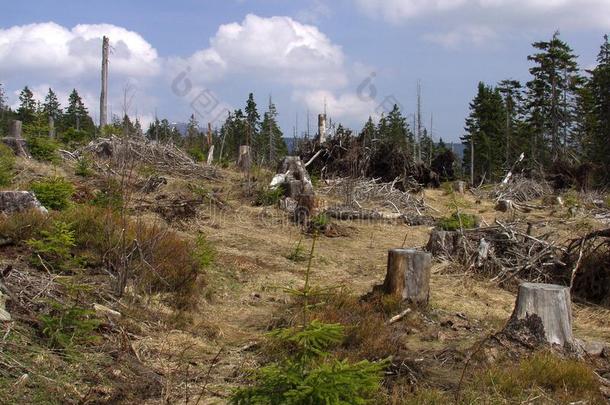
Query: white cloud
x,y
278,49
345,106
477,35
317,11
562,13
64,53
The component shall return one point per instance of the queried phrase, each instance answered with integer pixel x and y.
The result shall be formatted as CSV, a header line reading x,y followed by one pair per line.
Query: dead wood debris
x,y
520,189
503,252
166,157
373,199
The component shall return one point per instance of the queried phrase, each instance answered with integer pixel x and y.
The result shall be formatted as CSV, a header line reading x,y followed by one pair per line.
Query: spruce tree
x,y
76,115
600,95
51,106
253,124
551,98
368,133
27,106
270,130
192,133
512,94
485,133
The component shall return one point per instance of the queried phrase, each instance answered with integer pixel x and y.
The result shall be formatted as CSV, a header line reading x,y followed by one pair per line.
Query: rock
x,y
592,348
4,315
17,201
102,310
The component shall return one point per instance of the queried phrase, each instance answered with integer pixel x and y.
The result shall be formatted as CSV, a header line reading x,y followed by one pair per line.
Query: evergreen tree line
x,y
559,118
71,123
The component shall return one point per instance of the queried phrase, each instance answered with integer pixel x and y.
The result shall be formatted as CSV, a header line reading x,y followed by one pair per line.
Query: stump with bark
x,y
444,243
408,275
552,304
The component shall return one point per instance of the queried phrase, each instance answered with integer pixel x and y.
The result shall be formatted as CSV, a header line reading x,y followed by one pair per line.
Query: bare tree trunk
x,y
104,93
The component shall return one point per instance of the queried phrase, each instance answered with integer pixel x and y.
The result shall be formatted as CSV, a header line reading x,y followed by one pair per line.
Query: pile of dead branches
x,y
506,253
361,193
165,156
589,260
520,189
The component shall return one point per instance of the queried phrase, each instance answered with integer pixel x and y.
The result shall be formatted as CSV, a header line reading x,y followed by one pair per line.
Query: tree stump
x,y
408,275
443,243
244,160
504,205
459,186
552,304
14,129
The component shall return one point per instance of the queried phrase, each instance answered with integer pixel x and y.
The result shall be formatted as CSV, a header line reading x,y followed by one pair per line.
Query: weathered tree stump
x,y
408,275
244,159
14,129
459,186
504,205
443,243
552,304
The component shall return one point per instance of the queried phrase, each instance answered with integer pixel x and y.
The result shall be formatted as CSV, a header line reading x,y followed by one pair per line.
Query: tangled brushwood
x,y
166,157
509,253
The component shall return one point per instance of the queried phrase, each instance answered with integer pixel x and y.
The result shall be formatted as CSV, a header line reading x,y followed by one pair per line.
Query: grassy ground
x,y
156,354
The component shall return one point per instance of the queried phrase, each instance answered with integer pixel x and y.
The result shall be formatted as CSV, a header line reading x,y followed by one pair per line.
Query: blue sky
x,y
194,56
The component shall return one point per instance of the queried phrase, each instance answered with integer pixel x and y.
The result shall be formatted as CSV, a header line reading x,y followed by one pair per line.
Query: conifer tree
x,y
600,98
76,115
27,106
368,133
3,105
485,133
270,130
51,106
551,98
512,94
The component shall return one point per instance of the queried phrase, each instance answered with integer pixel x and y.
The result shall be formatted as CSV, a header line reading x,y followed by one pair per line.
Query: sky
x,y
356,58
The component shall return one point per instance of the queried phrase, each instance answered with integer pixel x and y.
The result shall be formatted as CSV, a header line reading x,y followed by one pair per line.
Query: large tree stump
x,y
244,159
408,275
459,186
444,243
14,129
552,304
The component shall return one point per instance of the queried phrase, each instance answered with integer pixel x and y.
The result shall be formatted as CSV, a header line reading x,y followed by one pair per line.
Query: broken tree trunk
x,y
552,304
14,129
244,160
211,155
408,275
459,186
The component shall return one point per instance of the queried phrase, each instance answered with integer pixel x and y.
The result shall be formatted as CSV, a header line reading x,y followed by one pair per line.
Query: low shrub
x,y
266,196
24,225
310,375
320,222
297,254
457,221
53,192
196,154
7,164
54,246
110,196
67,326
83,167
204,252
166,263
564,380
43,148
